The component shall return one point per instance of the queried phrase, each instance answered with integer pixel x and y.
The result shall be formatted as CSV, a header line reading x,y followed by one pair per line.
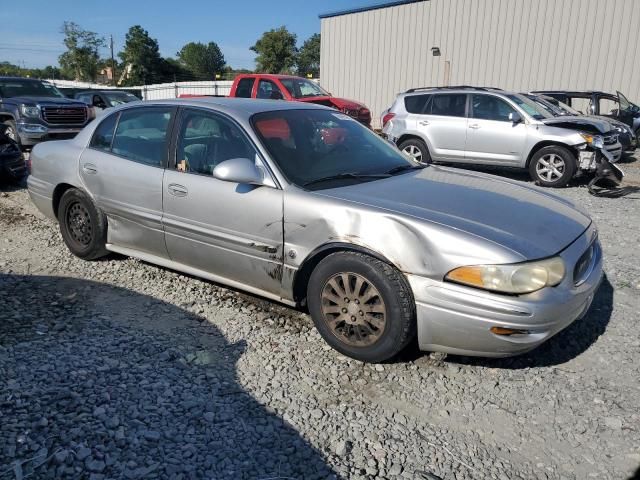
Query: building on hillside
x,y
372,53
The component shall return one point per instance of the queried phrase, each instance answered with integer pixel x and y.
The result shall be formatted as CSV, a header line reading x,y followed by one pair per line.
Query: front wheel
x,y
362,306
553,166
11,131
82,225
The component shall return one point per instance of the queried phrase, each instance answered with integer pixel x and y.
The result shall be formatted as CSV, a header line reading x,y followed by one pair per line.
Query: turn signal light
x,y
508,331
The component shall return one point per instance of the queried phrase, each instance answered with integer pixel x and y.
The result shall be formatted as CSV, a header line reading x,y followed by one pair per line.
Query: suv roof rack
x,y
452,87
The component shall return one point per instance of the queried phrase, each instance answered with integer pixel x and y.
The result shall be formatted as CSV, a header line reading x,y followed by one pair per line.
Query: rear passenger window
x,y
103,135
245,85
448,105
141,135
415,103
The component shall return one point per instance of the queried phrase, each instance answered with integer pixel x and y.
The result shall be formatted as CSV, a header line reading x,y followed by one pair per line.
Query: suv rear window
x,y
448,104
245,85
415,103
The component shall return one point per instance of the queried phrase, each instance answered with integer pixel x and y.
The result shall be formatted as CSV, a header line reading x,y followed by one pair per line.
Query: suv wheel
x,y
82,225
417,149
553,166
362,307
12,131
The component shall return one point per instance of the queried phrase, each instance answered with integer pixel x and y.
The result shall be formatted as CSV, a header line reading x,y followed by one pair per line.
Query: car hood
x,y
45,100
581,123
332,101
532,223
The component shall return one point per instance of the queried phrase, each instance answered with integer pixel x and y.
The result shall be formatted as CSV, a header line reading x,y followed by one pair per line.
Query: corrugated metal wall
x,y
512,44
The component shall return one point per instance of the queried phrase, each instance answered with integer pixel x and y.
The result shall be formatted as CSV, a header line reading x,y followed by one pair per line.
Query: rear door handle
x,y
89,168
424,122
177,190
475,126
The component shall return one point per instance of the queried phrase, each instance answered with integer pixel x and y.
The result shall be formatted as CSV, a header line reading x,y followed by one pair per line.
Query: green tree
x,y
80,61
276,51
202,60
141,57
308,61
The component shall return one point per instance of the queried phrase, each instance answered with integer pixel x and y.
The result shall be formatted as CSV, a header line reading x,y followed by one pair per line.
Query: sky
x,y
31,29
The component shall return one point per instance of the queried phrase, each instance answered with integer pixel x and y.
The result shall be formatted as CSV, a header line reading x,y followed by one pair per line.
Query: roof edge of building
x,y
375,6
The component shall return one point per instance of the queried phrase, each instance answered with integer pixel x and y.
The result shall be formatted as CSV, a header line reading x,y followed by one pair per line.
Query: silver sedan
x,y
303,205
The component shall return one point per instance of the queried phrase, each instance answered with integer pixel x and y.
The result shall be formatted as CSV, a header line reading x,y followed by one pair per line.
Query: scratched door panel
x,y
230,230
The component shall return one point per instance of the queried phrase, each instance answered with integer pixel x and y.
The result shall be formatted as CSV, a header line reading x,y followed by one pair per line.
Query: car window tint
x,y
449,105
141,135
415,103
103,135
206,140
245,85
488,107
267,89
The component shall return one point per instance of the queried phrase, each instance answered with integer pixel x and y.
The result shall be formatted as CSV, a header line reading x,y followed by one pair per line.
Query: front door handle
x,y
89,168
177,190
424,122
475,126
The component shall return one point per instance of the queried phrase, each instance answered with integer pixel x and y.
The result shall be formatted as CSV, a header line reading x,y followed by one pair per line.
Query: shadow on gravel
x,y
102,382
566,345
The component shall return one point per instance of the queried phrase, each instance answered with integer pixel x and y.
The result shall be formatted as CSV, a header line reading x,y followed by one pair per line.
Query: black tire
x,y
12,131
82,225
420,148
394,298
564,167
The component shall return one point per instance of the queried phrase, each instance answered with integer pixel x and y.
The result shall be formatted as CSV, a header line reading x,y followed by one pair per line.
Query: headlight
x,y
595,141
29,111
516,278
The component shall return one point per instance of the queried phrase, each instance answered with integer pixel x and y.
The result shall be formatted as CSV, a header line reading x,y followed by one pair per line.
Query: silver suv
x,y
489,126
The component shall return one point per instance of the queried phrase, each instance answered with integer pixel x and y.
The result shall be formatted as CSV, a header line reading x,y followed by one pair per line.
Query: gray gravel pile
x,y
126,370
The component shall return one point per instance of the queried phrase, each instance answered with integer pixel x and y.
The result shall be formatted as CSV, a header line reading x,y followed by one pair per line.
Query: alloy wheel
x,y
413,152
550,167
79,223
11,133
353,309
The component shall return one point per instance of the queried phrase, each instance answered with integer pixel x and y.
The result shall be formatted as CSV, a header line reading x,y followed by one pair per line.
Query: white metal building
x,y
372,53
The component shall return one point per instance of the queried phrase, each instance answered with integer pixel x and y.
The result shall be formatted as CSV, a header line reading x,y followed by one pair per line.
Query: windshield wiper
x,y
404,168
340,176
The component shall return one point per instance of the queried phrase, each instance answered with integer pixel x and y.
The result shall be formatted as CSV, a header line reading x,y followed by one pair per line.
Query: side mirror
x,y
239,170
515,117
276,95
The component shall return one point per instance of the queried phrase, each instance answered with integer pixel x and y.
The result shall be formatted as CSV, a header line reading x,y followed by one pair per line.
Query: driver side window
x,y
206,140
269,90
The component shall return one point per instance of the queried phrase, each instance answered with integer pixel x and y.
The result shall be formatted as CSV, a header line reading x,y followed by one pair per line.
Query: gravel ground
x,y
120,369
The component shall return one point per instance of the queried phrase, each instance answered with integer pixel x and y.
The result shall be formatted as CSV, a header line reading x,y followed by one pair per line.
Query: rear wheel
x,y
361,306
553,166
82,225
417,149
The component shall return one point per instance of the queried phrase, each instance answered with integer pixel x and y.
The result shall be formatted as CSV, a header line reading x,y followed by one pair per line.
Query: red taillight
x,y
386,118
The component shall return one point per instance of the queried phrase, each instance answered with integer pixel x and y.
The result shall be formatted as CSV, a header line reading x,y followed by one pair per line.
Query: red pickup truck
x,y
287,87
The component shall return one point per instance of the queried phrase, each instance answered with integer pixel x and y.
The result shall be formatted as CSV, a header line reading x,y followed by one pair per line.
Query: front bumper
x,y
457,319
33,133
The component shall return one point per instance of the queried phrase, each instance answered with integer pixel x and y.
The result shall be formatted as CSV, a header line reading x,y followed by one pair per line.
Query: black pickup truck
x,y
34,111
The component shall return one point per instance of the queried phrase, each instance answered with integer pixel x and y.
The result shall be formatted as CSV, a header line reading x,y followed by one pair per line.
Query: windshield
x,y
28,88
547,106
310,146
118,98
301,88
530,107
563,106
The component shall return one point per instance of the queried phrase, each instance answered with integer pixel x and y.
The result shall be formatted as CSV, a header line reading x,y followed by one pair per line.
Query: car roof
x,y
23,78
269,75
457,89
107,90
237,107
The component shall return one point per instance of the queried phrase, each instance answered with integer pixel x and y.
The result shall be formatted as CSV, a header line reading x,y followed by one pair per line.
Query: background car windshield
x,y
300,88
309,145
118,98
28,88
530,107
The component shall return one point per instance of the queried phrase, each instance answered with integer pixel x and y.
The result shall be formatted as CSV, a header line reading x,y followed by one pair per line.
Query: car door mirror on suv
x,y
515,117
239,170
